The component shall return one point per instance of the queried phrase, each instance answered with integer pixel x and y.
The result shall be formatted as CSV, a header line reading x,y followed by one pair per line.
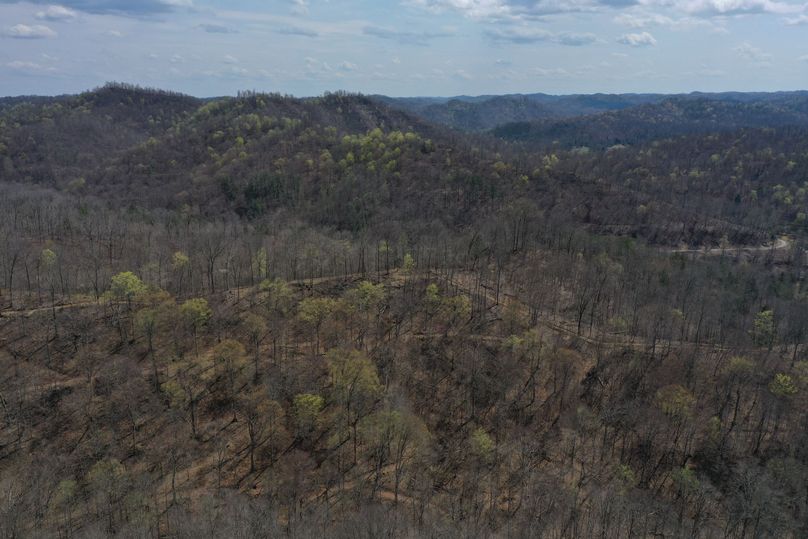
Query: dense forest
x,y
347,316
672,117
483,113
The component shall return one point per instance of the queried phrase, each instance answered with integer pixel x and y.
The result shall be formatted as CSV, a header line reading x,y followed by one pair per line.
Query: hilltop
x,y
354,163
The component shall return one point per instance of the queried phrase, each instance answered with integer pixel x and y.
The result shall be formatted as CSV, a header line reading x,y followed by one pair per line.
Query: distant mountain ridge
x,y
482,113
675,116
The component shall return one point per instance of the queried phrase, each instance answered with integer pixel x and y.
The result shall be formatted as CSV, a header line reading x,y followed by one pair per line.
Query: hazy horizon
x,y
405,47
416,96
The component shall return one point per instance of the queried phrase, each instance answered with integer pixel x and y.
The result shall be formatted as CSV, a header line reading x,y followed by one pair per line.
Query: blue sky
x,y
405,47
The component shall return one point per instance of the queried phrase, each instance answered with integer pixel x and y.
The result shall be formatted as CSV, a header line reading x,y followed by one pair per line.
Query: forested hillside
x,y
483,113
348,162
263,316
478,116
486,112
62,139
757,178
672,117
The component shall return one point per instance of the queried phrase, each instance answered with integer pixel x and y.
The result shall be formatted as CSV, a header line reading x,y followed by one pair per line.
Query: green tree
x,y
315,311
764,330
675,401
196,314
278,297
367,298
432,299
47,258
306,409
481,445
783,385
354,386
258,265
408,267
126,286
180,264
457,308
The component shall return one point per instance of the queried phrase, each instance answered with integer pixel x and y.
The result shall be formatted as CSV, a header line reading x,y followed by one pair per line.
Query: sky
x,y
405,47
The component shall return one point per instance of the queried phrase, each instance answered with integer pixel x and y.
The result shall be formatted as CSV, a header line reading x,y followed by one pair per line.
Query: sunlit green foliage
x,y
675,401
126,286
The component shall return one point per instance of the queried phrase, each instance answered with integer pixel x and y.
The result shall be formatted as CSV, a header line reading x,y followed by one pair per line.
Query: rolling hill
x,y
669,118
262,316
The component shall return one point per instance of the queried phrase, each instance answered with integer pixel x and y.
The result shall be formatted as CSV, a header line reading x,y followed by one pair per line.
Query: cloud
x,y
707,71
752,54
642,39
403,36
114,33
237,71
647,20
642,20
524,10
520,10
797,21
381,75
553,72
300,7
526,35
228,59
316,67
24,31
56,14
20,65
119,7
216,29
476,9
296,31
234,73
532,73
575,40
619,3
737,7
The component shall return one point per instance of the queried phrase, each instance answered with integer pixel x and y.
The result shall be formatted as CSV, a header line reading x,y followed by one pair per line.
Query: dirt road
x,y
780,244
